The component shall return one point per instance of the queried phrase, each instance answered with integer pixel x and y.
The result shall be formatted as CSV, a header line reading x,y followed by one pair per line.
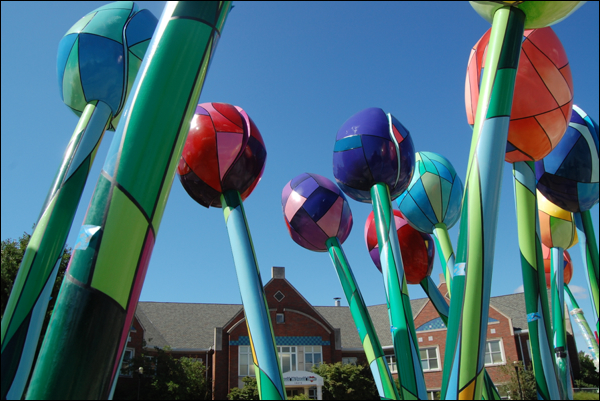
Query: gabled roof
x,y
181,325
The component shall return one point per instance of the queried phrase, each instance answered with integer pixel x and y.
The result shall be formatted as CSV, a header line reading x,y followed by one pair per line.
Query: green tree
x,y
11,257
165,378
249,392
586,376
521,381
346,382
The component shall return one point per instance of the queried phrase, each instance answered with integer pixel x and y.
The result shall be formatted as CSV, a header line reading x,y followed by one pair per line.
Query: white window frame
x,y
349,360
487,349
313,350
437,358
245,350
124,362
293,351
391,361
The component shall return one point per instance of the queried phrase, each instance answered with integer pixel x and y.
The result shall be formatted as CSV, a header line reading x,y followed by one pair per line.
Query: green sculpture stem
x,y
445,252
99,294
534,281
561,357
366,330
589,253
404,338
580,319
476,244
26,308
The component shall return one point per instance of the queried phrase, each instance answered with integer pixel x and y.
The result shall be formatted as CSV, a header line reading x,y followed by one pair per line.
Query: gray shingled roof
x,y
513,306
183,326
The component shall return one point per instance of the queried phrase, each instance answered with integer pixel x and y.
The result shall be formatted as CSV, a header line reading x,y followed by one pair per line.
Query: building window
x,y
288,358
350,360
246,363
494,354
313,356
391,361
429,359
127,360
280,318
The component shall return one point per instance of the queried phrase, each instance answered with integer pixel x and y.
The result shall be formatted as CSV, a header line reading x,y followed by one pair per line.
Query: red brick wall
x,y
502,329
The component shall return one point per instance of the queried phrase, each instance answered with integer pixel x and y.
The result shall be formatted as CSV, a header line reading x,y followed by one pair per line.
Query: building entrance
x,y
302,382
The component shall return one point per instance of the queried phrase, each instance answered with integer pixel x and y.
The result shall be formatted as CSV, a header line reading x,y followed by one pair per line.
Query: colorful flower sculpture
x,y
222,161
318,218
224,151
315,210
97,62
373,147
543,97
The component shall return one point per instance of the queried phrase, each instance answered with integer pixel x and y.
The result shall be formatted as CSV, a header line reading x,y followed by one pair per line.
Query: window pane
x,y
497,357
285,363
431,353
488,359
293,349
433,364
317,358
293,361
285,349
425,364
308,358
423,354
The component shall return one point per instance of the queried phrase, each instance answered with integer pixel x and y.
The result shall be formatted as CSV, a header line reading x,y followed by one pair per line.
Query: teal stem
x,y
256,309
402,327
364,324
558,322
26,308
476,245
534,281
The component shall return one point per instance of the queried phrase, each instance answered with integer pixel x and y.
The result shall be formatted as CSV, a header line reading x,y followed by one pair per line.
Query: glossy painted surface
x,y
469,310
373,147
543,95
534,281
402,328
133,187
568,266
223,151
418,250
256,310
315,210
539,13
568,176
433,195
584,327
99,56
366,330
557,225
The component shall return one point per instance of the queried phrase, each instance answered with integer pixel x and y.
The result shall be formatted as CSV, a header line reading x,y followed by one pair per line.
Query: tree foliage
x,y
248,392
346,382
166,378
586,376
11,256
521,381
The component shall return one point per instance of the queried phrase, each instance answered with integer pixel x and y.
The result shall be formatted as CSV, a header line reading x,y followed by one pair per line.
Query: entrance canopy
x,y
307,381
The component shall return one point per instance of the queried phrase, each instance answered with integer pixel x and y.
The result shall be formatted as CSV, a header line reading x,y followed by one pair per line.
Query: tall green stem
x,y
26,307
364,324
80,356
402,327
558,323
480,206
534,281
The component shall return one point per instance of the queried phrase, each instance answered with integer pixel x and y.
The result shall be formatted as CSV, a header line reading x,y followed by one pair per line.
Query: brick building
x,y
306,334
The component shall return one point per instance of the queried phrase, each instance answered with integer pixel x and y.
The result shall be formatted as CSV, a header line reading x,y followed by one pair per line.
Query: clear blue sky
x,y
299,70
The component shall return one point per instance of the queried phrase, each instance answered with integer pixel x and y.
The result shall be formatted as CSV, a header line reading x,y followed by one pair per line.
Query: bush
x,y
346,382
249,392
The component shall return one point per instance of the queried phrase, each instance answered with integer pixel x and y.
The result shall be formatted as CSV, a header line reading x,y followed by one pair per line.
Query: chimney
x,y
442,278
337,301
277,272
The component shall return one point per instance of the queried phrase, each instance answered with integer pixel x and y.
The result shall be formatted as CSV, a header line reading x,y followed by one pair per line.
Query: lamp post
x,y
516,365
140,374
